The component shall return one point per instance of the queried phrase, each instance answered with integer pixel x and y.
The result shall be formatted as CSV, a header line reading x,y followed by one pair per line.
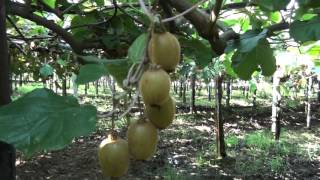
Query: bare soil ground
x,y
185,151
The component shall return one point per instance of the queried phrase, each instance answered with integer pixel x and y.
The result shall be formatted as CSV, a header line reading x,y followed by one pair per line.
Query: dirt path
x,y
185,149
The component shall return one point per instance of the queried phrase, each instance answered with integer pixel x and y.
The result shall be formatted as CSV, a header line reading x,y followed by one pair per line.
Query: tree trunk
x,y
97,87
199,89
64,86
276,97
20,80
86,86
209,91
254,104
7,151
5,90
185,86
220,144
309,94
181,88
193,93
74,85
319,88
228,94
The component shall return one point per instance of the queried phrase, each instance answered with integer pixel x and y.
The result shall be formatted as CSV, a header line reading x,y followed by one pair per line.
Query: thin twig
x,y
184,13
135,99
16,28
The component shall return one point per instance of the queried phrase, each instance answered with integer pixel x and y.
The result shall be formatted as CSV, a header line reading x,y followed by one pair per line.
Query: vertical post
x,y
309,94
276,97
220,144
193,93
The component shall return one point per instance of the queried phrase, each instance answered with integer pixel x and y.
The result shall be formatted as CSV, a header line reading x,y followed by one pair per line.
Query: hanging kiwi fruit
x,y
154,86
164,49
163,115
113,154
142,139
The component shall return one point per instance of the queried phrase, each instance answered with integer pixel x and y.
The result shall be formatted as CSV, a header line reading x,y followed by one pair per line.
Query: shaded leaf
x,y
197,50
90,72
245,64
137,49
303,31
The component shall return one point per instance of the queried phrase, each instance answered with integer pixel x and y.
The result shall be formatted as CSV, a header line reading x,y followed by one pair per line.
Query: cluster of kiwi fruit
x,y
154,86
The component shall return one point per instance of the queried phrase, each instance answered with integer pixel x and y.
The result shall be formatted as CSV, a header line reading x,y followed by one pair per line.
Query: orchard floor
x,y
186,148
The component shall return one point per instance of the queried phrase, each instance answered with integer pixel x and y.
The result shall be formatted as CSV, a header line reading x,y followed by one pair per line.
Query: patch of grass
x,y
232,141
258,153
170,173
277,164
259,139
201,160
28,88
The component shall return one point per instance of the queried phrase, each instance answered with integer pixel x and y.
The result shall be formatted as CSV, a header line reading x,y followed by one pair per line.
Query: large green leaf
x,y
197,50
272,5
137,49
42,120
265,57
119,70
82,31
303,31
245,64
90,72
247,41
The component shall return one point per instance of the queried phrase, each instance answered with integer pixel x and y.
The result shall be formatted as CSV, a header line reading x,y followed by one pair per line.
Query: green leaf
x,y
303,31
197,50
46,70
266,59
42,120
247,42
90,72
275,17
314,50
110,42
50,3
137,49
228,68
62,62
84,32
250,39
272,5
119,70
245,64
